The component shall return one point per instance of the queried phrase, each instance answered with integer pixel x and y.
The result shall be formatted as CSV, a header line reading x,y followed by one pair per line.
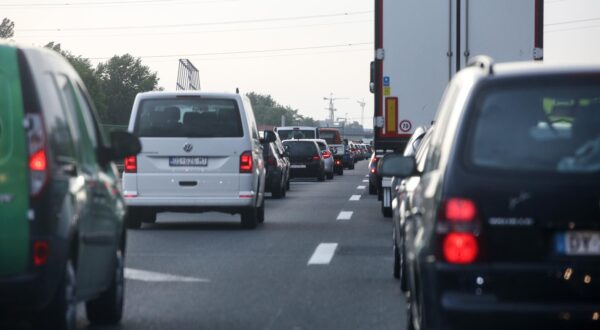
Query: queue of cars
x,y
496,213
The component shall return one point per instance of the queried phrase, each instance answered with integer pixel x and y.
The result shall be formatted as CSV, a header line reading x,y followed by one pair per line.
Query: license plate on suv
x,y
578,243
297,166
188,161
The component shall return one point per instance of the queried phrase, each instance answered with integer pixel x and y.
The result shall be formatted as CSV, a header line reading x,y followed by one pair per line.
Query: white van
x,y
200,152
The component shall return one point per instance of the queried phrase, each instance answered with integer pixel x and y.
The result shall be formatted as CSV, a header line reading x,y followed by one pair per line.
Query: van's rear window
x,y
296,134
550,125
188,117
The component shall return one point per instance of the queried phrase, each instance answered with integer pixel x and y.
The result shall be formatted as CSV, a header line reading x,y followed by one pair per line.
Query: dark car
x,y
62,239
504,229
277,175
374,177
337,150
306,159
281,151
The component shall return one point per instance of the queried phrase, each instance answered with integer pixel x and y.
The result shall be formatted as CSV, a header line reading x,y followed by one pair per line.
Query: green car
x,y
62,239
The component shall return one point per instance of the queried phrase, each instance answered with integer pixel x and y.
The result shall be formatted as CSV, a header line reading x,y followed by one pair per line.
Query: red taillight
x,y
374,165
272,161
246,162
460,210
338,162
316,157
131,164
460,248
326,154
40,252
37,161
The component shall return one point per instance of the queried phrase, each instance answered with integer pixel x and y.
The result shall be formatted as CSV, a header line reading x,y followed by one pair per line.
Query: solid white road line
x,y
366,176
323,254
355,197
361,187
148,276
345,215
365,180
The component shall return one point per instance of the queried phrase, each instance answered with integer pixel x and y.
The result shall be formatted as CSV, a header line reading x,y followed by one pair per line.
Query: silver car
x,y
327,157
200,152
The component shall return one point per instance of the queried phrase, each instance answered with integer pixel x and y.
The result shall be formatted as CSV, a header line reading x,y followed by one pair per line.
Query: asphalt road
x,y
202,271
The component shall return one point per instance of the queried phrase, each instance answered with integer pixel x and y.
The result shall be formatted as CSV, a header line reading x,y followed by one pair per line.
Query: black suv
x,y
62,238
504,230
306,159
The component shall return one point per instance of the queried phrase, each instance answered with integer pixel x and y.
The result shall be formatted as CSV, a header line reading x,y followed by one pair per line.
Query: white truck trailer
x,y
421,44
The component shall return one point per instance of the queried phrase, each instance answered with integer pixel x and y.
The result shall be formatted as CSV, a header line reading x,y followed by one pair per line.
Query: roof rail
x,y
484,62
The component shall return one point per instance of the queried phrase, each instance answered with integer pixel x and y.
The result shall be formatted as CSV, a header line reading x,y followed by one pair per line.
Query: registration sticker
x,y
578,243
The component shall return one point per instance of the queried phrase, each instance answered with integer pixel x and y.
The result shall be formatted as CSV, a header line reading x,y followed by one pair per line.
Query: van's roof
x,y
163,94
296,127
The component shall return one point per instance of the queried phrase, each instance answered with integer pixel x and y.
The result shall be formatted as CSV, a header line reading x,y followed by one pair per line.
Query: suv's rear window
x,y
549,125
188,117
296,134
301,148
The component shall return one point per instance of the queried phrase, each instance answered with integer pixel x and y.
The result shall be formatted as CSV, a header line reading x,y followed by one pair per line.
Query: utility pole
x,y
362,112
331,108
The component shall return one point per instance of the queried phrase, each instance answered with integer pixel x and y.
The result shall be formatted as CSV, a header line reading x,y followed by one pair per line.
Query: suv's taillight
x,y
316,157
374,165
458,227
131,164
38,160
246,162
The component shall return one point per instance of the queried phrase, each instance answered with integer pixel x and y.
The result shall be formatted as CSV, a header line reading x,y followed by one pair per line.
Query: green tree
x,y
88,75
122,77
7,28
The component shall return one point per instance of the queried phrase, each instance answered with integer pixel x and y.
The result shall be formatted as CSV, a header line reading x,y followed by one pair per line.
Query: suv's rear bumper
x,y
216,202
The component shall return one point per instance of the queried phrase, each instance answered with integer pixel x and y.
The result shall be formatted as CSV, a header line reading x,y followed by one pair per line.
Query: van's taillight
x,y
459,229
327,154
40,252
316,157
38,161
246,162
460,248
131,164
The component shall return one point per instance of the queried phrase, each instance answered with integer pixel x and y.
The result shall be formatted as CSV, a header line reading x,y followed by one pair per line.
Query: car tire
x,y
341,171
276,192
283,190
396,261
61,312
386,211
249,218
135,217
107,308
321,176
287,184
372,189
330,176
351,165
260,213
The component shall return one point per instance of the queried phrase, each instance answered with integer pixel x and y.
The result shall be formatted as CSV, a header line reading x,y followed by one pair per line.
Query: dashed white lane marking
x,y
345,215
361,187
355,197
365,180
148,276
323,254
366,176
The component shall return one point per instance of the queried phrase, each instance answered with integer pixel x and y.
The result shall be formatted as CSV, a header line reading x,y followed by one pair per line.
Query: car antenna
x,y
237,90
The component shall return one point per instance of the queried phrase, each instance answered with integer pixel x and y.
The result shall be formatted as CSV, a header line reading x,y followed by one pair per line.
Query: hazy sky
x,y
323,46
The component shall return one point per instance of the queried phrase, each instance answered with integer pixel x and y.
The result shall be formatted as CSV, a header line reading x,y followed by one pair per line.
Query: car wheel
x,y
403,273
330,176
341,171
287,184
351,165
135,217
283,190
108,307
372,189
260,213
396,256
321,176
250,218
61,312
387,211
276,192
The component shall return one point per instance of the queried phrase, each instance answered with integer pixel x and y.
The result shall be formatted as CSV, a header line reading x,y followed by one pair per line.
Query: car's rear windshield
x,y
549,125
287,134
188,117
301,148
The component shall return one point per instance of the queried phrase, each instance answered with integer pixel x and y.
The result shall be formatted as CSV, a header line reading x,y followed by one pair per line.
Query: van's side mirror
x,y
398,166
123,144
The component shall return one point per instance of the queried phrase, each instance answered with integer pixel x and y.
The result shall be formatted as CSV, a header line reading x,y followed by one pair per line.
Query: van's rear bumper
x,y
200,202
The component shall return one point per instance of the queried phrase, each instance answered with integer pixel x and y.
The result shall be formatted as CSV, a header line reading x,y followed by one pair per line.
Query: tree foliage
x,y
268,112
7,28
122,78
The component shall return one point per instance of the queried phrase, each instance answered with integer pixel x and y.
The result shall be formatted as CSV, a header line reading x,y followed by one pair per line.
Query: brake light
x,y
38,162
460,210
326,154
374,165
246,162
40,252
338,162
460,248
131,164
316,157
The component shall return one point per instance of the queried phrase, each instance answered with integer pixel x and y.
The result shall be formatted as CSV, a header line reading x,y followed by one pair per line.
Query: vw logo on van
x,y
188,147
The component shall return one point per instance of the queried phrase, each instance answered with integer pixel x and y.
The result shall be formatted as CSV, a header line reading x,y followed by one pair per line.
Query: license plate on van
x,y
188,161
578,243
